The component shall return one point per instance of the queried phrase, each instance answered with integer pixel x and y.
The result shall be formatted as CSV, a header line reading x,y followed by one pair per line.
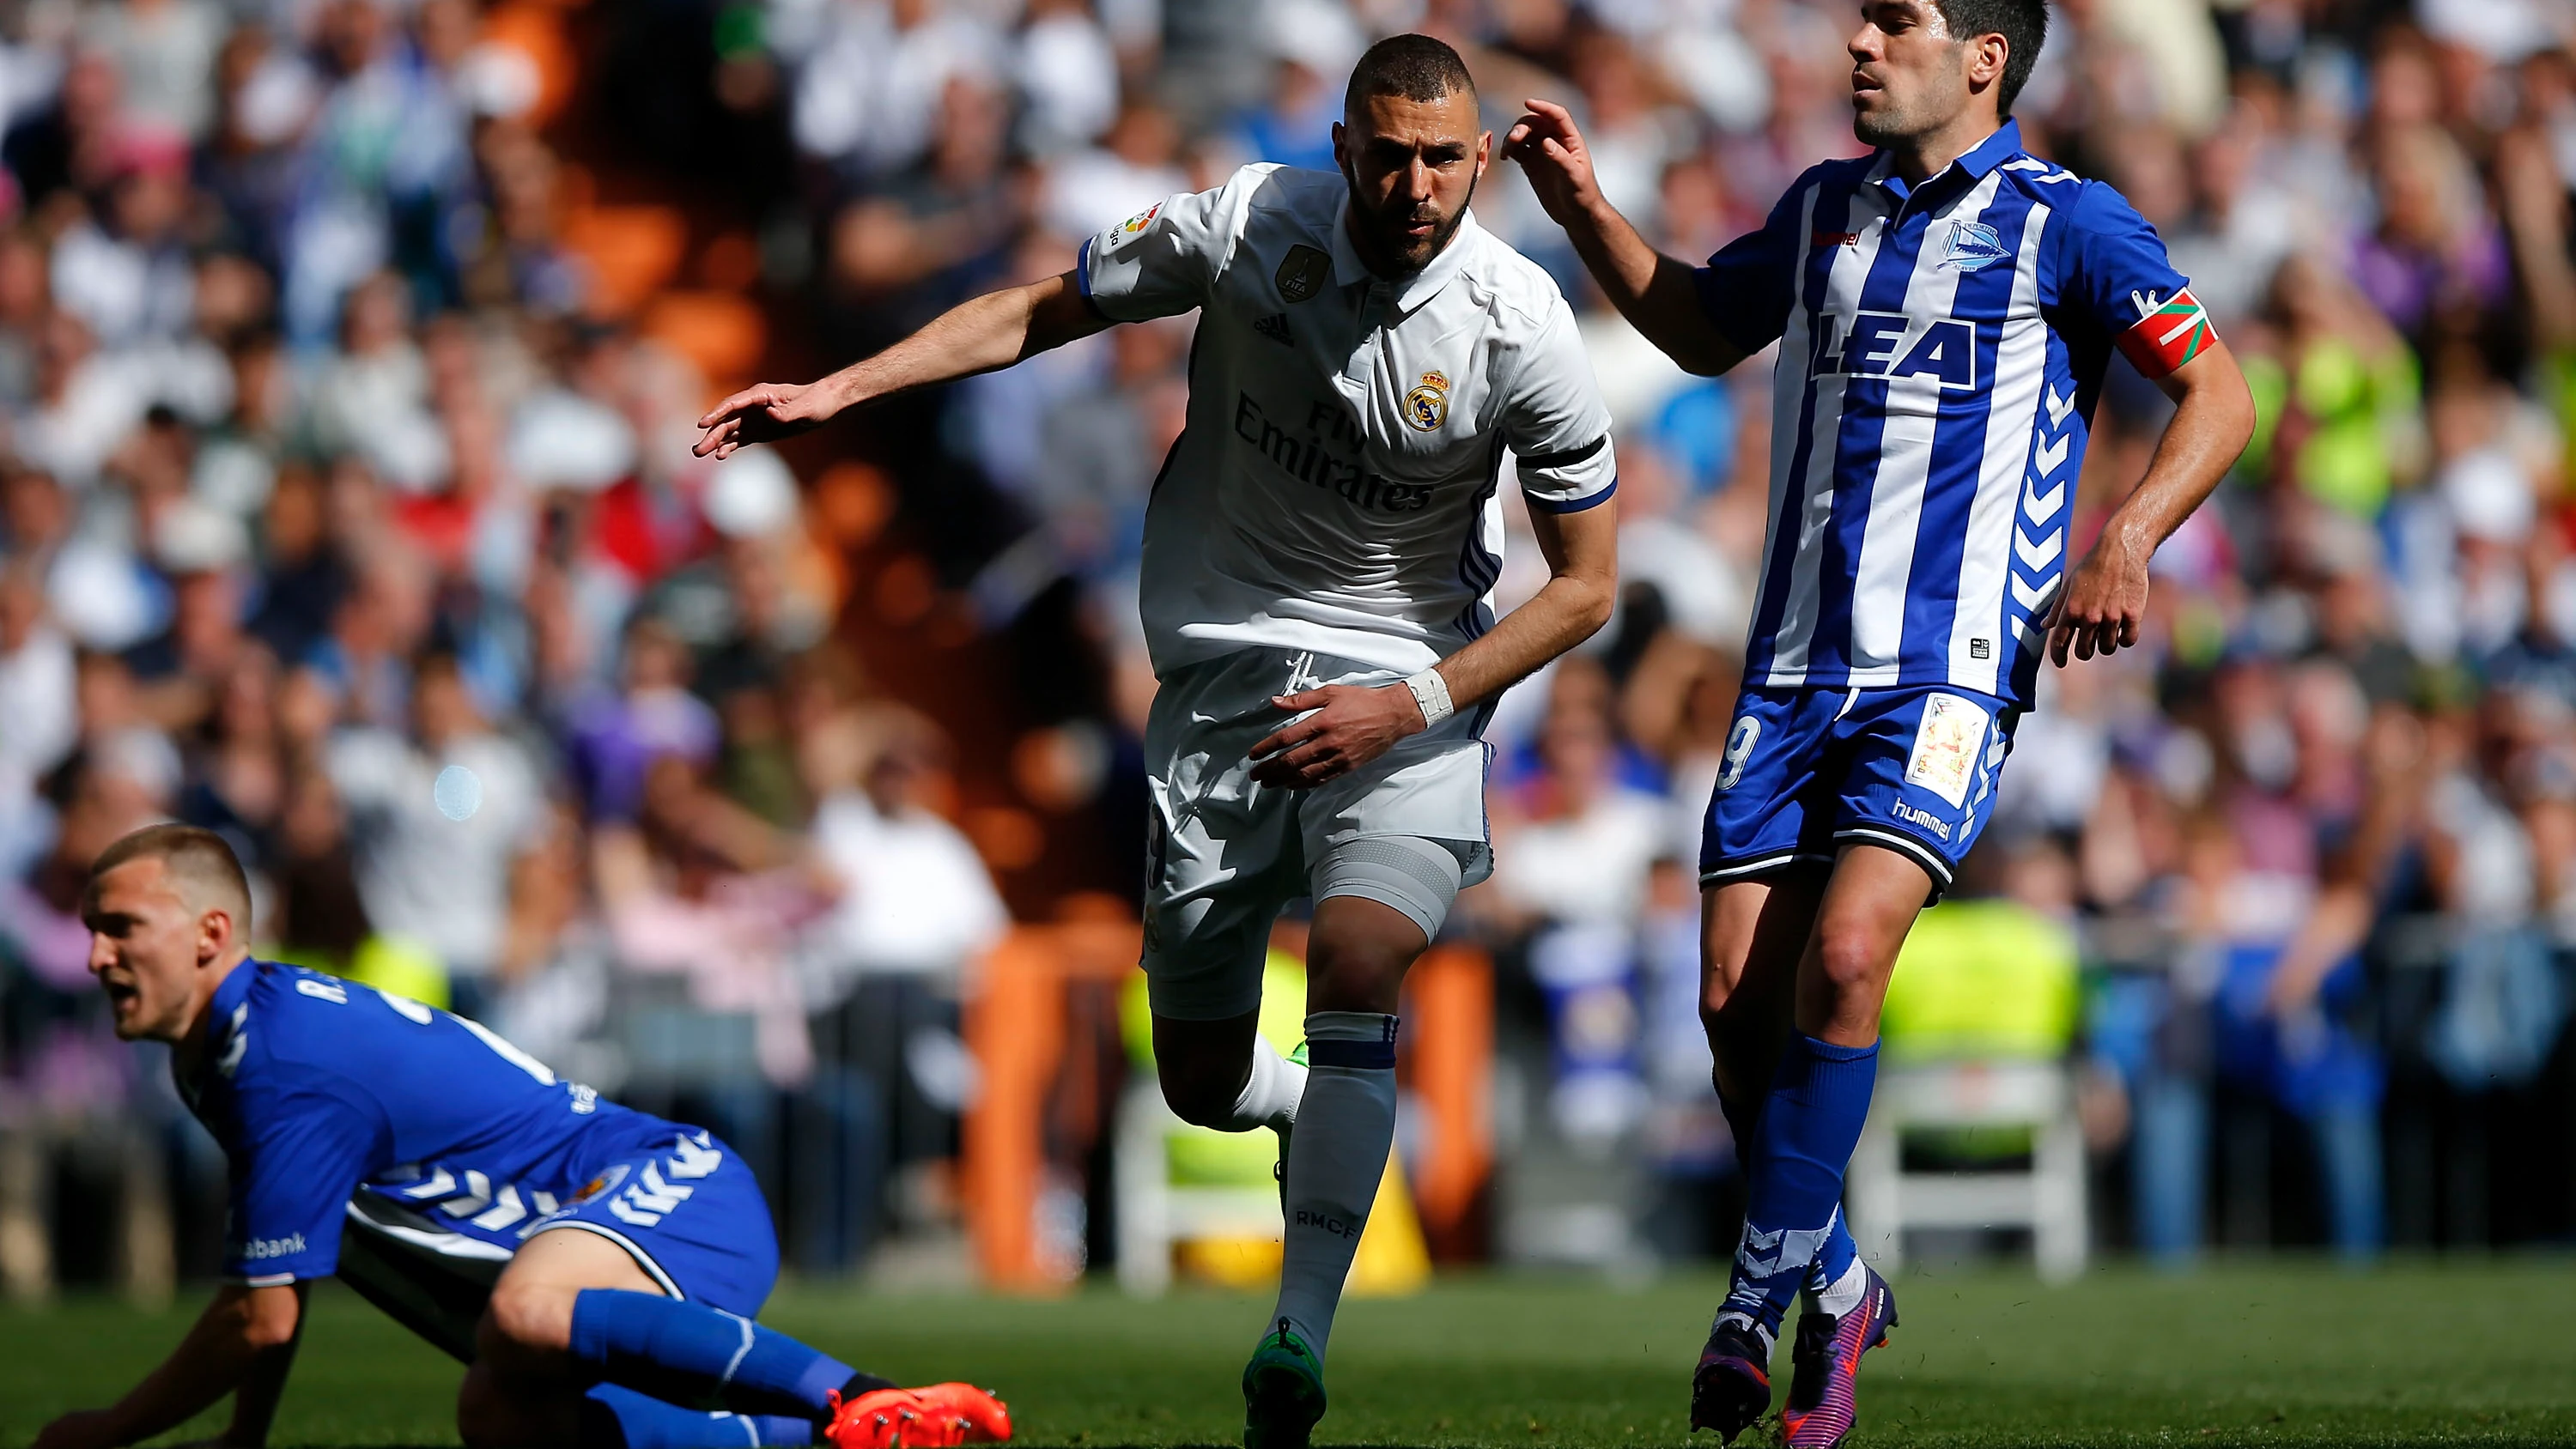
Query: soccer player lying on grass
x,y
1944,309
596,1268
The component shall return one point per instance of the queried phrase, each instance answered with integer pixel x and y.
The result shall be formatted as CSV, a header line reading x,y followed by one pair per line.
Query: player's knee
x,y
1712,1019
525,1318
1362,969
1367,978
1199,1094
1854,957
1717,990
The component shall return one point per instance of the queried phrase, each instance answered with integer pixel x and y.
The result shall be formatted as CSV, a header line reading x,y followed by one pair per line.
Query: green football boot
x,y
1283,1392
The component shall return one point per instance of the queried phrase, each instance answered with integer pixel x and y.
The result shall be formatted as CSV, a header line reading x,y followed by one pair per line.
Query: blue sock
x,y
1833,1262
686,1353
617,1418
1811,1121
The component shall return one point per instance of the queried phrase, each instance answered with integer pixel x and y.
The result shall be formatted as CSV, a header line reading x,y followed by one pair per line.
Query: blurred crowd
x,y
335,518
338,515
2315,841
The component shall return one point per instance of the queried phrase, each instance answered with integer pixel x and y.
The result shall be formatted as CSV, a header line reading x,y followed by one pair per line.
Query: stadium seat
x,y
1210,1195
1177,1183
1974,1038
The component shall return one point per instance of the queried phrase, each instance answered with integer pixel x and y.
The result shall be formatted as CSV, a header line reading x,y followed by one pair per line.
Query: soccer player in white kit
x,y
1319,557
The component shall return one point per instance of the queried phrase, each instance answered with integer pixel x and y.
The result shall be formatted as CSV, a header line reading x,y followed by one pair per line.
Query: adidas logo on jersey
x,y
1275,327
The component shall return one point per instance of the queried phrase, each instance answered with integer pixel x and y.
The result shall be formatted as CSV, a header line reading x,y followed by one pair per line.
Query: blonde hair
x,y
212,874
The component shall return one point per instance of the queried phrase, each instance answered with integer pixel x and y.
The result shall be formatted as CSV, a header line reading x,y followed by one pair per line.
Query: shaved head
x,y
168,912
1409,67
199,863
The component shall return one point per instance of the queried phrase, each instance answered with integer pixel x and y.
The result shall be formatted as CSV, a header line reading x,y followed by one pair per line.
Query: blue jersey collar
x,y
1972,166
235,989
232,1001
216,1055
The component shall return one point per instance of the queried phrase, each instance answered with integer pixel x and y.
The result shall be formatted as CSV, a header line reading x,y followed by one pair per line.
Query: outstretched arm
x,y
1354,724
264,1383
982,335
244,1340
2105,603
1656,293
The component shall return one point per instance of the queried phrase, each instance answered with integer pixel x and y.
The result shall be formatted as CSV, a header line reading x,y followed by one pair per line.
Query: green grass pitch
x,y
2480,1352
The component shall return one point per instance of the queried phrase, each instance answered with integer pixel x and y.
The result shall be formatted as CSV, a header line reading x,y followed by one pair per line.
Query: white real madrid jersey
x,y
1334,488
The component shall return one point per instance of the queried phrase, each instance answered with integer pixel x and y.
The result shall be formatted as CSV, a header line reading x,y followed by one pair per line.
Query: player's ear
x,y
1341,148
214,934
1484,151
1987,55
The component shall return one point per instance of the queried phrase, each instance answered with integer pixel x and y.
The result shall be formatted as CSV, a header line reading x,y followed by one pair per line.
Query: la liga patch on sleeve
x,y
2168,333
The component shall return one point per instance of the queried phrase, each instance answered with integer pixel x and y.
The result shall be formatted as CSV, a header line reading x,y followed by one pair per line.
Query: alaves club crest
x,y
1974,246
1301,273
1427,406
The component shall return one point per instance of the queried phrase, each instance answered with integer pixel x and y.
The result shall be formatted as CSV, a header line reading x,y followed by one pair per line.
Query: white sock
x,y
1842,1295
1270,1094
1335,1162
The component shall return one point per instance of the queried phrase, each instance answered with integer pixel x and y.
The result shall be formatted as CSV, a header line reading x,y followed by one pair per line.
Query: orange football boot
x,y
979,1417
886,1419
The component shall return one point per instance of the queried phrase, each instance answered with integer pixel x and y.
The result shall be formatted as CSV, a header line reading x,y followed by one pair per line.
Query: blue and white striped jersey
x,y
1941,347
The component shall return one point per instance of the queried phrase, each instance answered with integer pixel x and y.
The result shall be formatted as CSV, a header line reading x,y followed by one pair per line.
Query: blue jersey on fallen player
x,y
321,1091
595,1268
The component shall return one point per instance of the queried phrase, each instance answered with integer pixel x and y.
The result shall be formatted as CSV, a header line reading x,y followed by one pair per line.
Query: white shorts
x,y
1225,854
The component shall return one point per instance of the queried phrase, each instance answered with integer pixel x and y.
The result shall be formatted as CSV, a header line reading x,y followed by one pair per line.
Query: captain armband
x,y
2167,334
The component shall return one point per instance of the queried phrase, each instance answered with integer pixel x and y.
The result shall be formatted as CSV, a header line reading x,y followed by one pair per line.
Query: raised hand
x,y
1551,151
764,413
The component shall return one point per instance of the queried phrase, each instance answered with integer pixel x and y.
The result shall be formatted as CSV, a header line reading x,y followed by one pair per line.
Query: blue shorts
x,y
1809,770
690,1215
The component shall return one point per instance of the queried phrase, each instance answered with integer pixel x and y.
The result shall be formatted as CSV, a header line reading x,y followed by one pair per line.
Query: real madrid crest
x,y
1427,406
1301,273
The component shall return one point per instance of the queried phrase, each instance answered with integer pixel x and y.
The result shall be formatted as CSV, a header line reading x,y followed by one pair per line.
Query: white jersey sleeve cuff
x,y
1571,480
1574,505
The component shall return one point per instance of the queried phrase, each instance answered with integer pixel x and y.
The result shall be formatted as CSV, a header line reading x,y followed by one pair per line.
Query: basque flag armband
x,y
2167,334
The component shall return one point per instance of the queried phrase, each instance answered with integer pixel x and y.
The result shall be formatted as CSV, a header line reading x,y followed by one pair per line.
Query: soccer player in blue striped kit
x,y
596,1268
1944,309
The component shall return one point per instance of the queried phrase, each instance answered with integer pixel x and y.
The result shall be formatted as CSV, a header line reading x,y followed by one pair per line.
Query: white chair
x,y
1154,1214
2048,1197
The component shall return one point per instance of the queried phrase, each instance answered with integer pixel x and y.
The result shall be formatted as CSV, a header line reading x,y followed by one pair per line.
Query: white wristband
x,y
1432,693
